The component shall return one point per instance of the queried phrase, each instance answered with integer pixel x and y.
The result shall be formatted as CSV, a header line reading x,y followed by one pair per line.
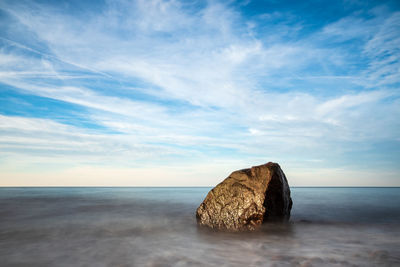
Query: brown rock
x,y
246,199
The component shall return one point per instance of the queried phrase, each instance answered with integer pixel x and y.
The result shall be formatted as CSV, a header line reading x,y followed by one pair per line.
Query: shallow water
x,y
157,227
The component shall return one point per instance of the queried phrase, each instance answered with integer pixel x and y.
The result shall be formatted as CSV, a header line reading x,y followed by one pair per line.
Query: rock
x,y
246,199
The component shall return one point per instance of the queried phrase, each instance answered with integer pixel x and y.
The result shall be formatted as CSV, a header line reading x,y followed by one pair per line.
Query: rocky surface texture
x,y
246,199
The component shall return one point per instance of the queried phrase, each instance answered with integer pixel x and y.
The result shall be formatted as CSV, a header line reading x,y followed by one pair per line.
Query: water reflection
x,y
157,227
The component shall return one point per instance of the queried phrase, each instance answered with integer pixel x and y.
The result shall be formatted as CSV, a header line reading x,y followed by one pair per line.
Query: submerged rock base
x,y
246,199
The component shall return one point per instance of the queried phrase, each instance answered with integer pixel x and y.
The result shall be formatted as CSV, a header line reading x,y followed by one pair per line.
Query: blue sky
x,y
163,93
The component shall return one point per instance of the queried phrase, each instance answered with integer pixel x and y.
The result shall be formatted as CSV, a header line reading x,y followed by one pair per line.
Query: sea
x,y
145,226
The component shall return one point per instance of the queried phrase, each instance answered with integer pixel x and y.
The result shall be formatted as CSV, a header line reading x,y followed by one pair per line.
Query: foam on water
x,y
157,227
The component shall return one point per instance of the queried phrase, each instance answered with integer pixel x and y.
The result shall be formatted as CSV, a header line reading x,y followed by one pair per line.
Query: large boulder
x,y
246,199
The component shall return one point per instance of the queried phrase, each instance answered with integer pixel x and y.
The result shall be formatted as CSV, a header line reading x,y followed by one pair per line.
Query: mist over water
x,y
157,227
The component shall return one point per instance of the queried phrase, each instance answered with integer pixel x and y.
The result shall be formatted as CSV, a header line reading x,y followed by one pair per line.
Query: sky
x,y
182,93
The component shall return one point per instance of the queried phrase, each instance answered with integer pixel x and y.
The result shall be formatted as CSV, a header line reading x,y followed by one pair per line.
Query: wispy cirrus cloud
x,y
172,81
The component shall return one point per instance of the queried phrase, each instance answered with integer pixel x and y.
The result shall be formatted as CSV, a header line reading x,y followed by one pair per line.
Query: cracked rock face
x,y
246,199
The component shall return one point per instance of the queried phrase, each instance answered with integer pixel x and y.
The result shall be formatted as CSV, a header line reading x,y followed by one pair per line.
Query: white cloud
x,y
211,61
384,51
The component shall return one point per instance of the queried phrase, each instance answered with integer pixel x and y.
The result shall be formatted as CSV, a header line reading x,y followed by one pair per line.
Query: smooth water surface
x,y
157,227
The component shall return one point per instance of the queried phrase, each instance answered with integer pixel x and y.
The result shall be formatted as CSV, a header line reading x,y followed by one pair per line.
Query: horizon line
x,y
187,186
